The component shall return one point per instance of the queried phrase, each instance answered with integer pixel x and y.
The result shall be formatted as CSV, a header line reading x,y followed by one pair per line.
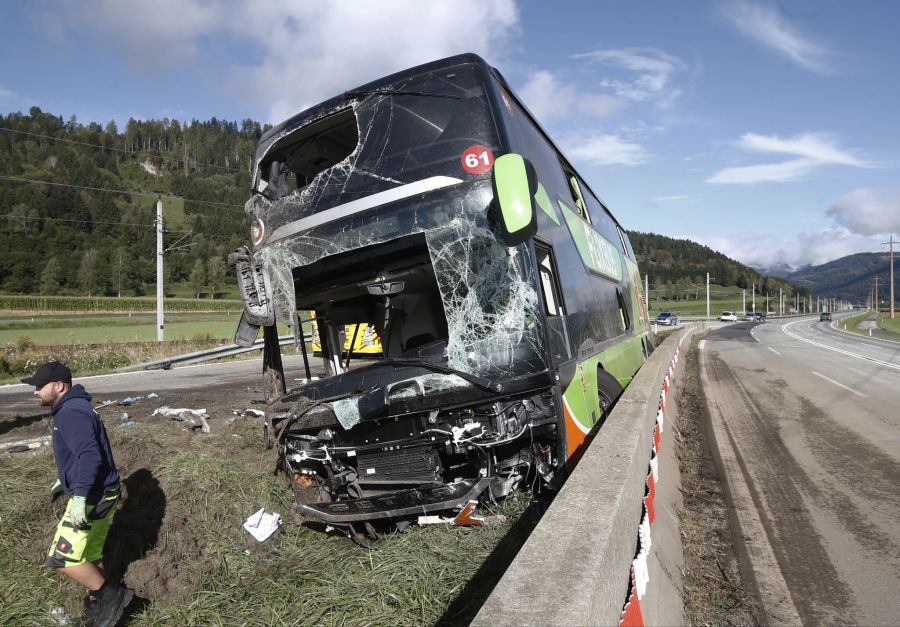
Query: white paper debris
x,y
261,525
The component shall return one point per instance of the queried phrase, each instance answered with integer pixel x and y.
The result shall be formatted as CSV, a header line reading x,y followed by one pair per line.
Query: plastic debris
x,y
153,395
464,518
130,423
105,404
196,418
261,525
249,412
28,444
130,400
122,415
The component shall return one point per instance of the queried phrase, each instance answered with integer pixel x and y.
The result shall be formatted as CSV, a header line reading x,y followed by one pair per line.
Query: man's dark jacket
x,y
84,460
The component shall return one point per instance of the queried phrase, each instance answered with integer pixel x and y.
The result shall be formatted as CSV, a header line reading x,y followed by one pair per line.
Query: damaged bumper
x,y
395,505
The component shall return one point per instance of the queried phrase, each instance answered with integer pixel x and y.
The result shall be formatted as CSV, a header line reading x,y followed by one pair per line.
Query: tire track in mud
x,y
778,485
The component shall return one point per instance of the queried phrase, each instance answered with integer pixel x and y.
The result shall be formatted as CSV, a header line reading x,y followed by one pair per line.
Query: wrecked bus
x,y
432,206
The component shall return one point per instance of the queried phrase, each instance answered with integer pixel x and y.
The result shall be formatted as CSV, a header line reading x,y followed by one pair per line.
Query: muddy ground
x,y
714,591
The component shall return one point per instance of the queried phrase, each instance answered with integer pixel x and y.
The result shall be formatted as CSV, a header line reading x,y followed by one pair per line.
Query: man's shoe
x,y
91,609
112,600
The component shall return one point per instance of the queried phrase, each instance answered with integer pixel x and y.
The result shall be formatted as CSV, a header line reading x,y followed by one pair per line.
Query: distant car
x,y
728,316
825,316
760,316
667,318
750,316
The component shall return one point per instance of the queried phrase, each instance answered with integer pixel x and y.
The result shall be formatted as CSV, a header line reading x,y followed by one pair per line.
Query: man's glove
x,y
56,491
76,514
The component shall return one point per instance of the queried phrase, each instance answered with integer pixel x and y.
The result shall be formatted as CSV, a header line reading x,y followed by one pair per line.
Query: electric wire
x,y
221,205
112,149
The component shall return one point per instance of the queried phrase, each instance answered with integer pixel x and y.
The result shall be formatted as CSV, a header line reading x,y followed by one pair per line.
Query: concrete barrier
x,y
608,549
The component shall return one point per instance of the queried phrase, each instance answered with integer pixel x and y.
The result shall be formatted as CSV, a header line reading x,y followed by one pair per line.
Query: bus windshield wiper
x,y
396,92
481,382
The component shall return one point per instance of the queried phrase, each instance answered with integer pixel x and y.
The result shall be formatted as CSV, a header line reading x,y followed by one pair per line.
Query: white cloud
x,y
5,93
765,25
674,198
802,249
813,151
300,53
868,211
783,172
548,97
606,150
653,69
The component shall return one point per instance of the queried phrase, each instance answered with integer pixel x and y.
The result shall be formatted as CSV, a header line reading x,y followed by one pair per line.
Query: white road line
x,y
773,350
837,350
840,385
701,344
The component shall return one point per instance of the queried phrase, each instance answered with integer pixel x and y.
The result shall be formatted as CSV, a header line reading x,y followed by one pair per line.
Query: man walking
x,y
87,474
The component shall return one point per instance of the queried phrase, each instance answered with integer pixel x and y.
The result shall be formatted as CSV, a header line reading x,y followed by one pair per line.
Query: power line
x,y
18,217
110,148
222,205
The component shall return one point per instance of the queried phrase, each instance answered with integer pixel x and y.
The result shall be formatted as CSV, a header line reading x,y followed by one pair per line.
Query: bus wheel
x,y
608,391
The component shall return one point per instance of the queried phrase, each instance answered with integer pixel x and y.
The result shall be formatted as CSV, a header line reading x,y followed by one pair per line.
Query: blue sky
x,y
768,131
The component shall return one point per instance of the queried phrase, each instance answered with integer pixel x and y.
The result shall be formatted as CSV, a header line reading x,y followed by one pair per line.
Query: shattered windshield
x,y
378,189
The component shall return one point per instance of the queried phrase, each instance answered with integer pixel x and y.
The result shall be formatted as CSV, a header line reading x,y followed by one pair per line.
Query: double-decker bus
x,y
431,205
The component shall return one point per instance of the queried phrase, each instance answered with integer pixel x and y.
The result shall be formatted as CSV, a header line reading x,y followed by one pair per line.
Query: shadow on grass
x,y
467,603
135,528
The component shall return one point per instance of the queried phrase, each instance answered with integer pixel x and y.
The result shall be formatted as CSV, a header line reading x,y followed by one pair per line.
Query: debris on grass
x,y
261,524
196,418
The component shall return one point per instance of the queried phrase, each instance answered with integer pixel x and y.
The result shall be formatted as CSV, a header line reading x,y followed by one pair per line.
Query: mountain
x,y
850,278
679,263
782,270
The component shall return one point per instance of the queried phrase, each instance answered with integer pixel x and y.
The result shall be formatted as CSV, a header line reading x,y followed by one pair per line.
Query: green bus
x,y
432,206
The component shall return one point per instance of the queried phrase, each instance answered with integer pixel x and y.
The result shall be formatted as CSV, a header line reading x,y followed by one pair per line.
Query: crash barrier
x,y
218,352
608,549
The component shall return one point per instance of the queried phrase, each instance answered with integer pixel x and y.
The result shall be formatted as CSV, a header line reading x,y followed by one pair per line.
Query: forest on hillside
x,y
77,202
678,267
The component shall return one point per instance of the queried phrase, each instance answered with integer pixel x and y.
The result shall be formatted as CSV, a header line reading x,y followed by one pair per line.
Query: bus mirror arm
x,y
512,214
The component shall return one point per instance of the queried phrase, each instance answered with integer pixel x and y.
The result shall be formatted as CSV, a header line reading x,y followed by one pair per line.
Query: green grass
x,y
852,323
46,331
885,322
299,576
721,299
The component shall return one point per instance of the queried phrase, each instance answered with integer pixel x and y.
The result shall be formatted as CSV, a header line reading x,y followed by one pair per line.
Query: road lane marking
x,y
773,350
837,350
701,344
840,385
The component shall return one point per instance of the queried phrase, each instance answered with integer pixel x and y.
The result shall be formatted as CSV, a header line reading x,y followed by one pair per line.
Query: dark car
x,y
825,316
668,318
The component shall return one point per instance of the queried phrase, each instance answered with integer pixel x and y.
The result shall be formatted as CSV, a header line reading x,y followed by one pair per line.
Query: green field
x,y
885,322
97,329
720,299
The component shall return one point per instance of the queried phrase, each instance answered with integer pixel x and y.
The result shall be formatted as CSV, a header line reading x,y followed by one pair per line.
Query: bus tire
x,y
608,391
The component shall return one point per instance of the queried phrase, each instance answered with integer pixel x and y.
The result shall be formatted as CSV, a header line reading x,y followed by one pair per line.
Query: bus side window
x,y
623,311
577,195
553,306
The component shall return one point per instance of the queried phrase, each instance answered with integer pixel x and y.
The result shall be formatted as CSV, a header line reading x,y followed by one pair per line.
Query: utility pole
x,y
647,293
891,244
744,300
159,270
780,302
753,297
875,296
707,294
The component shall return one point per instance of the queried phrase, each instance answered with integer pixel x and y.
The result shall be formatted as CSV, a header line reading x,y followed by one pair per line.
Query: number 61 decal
x,y
477,159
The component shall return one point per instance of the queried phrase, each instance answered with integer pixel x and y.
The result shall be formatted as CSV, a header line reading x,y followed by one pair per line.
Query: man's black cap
x,y
51,371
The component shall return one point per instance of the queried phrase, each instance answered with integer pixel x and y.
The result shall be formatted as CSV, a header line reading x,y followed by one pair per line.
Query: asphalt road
x,y
212,379
806,420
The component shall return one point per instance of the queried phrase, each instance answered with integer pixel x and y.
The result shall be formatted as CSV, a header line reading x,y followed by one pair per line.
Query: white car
x,y
728,316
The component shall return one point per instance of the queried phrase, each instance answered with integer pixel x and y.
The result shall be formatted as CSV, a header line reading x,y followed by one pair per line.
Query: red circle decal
x,y
477,159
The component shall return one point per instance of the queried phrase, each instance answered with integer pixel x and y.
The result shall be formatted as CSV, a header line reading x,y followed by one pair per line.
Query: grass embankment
x,y
885,322
852,323
178,539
